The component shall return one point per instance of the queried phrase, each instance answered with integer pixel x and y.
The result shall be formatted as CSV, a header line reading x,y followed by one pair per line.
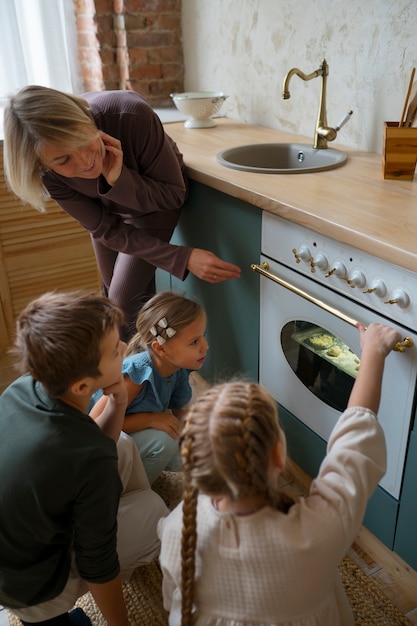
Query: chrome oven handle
x,y
263,270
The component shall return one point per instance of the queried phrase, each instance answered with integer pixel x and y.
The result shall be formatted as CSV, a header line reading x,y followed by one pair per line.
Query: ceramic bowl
x,y
199,106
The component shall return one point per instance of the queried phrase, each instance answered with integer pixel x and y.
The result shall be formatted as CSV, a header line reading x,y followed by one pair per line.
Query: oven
x,y
313,290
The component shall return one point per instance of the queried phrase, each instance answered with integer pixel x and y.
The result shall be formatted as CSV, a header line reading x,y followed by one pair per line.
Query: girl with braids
x,y
170,343
246,556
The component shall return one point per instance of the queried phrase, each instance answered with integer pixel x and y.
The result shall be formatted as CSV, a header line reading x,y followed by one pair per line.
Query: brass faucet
x,y
323,132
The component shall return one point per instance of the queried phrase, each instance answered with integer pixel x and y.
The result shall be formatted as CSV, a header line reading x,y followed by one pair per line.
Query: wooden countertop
x,y
352,204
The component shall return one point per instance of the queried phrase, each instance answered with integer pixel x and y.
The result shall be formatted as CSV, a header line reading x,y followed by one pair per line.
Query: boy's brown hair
x,y
58,337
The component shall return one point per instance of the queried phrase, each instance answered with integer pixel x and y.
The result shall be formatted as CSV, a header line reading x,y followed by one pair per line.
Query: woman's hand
x,y
209,267
113,159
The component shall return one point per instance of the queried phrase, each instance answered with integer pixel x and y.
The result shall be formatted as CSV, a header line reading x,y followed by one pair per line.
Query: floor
x,y
388,571
394,577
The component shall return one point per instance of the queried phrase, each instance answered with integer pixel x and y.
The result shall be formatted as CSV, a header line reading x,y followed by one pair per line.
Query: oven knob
x,y
399,297
340,270
320,261
305,253
378,287
357,279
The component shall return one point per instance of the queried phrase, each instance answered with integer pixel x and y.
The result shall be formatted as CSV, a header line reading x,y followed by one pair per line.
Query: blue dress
x,y
158,450
158,393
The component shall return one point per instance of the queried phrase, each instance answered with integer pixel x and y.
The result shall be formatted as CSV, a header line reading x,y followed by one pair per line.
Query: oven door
x,y
309,359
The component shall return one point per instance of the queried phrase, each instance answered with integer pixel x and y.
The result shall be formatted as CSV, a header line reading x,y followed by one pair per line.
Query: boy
x,y
70,482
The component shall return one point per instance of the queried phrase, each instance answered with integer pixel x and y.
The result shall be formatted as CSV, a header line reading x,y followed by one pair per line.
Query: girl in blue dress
x,y
170,343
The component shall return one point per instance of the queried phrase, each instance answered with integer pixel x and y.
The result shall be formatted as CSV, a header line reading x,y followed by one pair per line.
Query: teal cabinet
x,y
232,230
405,538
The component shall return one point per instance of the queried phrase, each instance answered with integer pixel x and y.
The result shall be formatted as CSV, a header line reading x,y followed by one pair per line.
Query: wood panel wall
x,y
39,252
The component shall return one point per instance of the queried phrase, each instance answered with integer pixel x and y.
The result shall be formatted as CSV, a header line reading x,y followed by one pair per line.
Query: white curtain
x,y
38,46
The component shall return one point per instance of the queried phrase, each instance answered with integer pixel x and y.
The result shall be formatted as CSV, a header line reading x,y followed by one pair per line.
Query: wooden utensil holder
x,y
399,151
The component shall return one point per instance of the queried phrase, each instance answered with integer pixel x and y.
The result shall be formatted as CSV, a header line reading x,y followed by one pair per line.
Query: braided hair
x,y
226,443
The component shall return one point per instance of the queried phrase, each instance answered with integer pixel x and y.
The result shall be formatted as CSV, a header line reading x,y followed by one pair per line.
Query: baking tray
x,y
330,348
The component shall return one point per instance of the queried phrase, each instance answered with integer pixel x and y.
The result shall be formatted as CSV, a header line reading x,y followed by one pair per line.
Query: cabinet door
x,y
231,229
405,537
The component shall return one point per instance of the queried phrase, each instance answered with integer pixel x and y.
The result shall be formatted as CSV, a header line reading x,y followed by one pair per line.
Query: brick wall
x,y
131,44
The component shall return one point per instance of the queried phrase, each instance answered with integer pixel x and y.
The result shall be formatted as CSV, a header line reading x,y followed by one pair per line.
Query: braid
x,y
234,428
238,457
189,533
257,436
226,445
243,429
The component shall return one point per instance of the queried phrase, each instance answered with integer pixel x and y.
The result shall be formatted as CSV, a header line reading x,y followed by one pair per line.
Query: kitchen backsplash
x,y
246,48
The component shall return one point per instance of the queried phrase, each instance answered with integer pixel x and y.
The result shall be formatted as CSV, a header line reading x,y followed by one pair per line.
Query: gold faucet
x,y
323,132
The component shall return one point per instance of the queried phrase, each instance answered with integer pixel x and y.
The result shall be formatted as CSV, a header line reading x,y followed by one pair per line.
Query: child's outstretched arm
x,y
356,458
376,342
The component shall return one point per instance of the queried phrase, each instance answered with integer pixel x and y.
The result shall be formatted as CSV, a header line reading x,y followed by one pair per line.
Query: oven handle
x,y
263,270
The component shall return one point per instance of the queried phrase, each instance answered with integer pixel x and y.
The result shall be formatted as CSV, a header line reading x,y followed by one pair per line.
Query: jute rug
x,y
143,594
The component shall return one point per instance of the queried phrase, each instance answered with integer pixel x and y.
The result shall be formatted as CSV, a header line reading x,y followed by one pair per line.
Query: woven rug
x,y
371,607
143,599
143,594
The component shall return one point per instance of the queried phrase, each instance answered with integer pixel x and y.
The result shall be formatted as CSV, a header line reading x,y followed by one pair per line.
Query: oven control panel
x,y
381,286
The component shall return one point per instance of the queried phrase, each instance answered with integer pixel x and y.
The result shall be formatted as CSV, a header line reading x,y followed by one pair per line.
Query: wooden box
x,y
399,151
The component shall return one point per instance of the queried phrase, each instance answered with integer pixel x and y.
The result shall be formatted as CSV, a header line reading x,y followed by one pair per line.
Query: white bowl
x,y
199,106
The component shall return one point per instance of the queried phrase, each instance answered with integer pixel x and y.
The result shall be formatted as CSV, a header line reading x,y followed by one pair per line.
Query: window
x,y
38,46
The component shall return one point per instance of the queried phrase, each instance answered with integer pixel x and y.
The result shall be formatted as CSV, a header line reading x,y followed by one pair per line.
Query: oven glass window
x,y
322,361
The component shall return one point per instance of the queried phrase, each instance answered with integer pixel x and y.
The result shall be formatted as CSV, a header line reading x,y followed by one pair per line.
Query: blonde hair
x,y
226,443
35,115
178,312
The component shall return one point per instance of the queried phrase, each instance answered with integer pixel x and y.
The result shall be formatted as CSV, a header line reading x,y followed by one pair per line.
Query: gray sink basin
x,y
281,158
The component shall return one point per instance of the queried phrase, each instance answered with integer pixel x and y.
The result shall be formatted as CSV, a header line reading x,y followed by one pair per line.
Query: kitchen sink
x,y
281,158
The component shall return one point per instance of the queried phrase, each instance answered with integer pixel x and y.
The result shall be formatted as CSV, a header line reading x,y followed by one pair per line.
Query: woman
x,y
106,160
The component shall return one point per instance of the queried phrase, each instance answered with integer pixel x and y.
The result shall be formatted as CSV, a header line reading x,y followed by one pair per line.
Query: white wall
x,y
245,48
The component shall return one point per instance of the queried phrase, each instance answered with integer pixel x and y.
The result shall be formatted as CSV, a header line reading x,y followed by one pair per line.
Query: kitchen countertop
x,y
353,204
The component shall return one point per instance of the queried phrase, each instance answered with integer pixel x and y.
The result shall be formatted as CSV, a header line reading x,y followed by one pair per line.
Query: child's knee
x,y
158,451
